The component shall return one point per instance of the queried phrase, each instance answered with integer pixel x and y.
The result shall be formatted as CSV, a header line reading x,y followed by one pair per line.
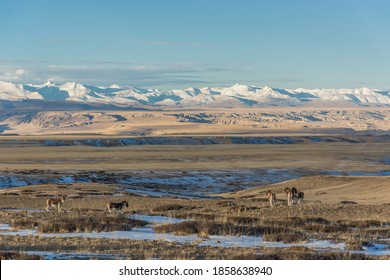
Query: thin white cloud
x,y
175,75
12,75
67,67
172,43
20,72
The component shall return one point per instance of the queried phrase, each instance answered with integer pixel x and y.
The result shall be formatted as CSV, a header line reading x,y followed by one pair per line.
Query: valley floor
x,y
244,227
195,201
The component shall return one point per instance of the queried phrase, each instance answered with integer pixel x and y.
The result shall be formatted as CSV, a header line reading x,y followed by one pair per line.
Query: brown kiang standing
x,y
112,206
300,196
271,197
289,195
55,203
294,195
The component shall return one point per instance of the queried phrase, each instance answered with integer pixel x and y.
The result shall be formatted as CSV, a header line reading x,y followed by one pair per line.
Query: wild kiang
x,y
294,195
112,206
55,203
271,197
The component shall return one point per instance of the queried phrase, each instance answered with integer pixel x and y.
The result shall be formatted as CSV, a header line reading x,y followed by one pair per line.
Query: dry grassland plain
x,y
216,192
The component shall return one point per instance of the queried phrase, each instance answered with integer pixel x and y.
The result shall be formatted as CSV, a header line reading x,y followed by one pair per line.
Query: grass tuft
x,y
285,237
77,223
168,207
18,256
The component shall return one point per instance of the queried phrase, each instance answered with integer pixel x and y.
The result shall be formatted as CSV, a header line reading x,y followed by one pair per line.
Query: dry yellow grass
x,y
372,190
245,212
334,206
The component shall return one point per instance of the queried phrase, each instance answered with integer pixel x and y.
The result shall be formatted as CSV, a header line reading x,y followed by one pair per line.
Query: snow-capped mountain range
x,y
234,96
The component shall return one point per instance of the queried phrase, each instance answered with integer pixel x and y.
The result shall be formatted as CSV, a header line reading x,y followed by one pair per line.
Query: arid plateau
x,y
196,183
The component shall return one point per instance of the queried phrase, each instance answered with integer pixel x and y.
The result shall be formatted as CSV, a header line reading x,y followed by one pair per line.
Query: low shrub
x,y
89,224
24,223
168,207
18,256
348,202
77,223
206,228
285,237
353,245
183,228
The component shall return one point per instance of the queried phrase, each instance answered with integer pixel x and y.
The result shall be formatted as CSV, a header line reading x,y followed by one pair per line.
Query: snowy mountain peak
x,y
270,92
115,86
71,85
267,88
239,88
237,95
74,89
48,84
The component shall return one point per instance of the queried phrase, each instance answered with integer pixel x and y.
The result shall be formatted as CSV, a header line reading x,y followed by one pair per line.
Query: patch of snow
x,y
73,255
190,184
358,173
22,210
5,227
11,181
147,233
66,179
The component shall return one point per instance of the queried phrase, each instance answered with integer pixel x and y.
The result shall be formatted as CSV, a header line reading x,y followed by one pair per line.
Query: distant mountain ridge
x,y
239,96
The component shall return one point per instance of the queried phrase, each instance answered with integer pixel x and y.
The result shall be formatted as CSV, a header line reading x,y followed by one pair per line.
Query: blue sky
x,y
172,44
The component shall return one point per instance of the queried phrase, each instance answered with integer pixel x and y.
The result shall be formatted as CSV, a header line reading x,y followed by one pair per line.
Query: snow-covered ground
x,y
163,183
200,184
71,255
147,233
